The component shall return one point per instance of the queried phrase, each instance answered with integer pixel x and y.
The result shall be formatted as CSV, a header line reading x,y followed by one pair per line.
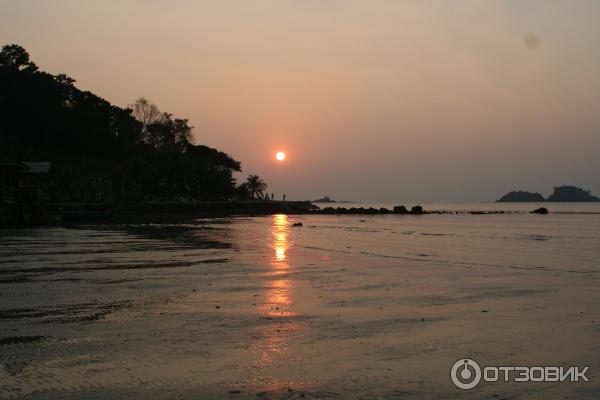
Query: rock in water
x,y
400,210
416,210
541,210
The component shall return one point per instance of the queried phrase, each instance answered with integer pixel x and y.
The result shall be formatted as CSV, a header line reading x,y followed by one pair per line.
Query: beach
x,y
359,307
211,200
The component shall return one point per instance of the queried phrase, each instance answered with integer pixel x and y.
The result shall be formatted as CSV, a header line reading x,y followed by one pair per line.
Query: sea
x,y
301,306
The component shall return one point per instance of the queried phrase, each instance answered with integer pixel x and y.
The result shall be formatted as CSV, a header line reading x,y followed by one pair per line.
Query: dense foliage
x,y
100,151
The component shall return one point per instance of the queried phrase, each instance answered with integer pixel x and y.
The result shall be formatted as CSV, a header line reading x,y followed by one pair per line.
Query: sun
x,y
280,156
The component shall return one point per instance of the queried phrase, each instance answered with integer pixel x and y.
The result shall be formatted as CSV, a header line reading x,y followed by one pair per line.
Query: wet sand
x,y
245,308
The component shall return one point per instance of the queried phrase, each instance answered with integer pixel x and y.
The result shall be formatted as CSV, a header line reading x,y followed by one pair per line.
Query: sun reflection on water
x,y
278,297
279,233
273,336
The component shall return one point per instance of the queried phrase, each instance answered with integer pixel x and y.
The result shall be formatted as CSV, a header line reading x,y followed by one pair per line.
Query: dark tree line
x,y
101,151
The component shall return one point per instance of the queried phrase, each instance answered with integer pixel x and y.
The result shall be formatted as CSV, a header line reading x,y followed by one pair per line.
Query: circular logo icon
x,y
465,373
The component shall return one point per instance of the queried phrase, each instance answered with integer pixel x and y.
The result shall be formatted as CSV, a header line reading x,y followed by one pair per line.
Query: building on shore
x,y
23,189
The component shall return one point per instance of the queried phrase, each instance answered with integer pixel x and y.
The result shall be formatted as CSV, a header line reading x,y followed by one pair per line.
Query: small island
x,y
324,199
563,193
521,197
571,194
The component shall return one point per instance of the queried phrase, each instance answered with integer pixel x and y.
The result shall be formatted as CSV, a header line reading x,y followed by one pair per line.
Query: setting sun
x,y
426,139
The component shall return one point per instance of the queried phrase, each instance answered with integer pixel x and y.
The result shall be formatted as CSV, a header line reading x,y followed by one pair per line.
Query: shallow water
x,y
342,307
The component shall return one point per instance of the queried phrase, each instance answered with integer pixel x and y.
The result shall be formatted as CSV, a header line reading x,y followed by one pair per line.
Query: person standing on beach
x,y
284,197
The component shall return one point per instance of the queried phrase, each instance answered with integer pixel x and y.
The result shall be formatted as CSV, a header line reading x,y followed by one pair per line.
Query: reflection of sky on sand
x,y
272,337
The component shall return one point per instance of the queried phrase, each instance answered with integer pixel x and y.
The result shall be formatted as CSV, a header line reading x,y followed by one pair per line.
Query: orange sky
x,y
371,100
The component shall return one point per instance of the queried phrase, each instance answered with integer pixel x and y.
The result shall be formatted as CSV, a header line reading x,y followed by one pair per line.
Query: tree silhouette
x,y
147,113
101,151
256,186
16,58
170,132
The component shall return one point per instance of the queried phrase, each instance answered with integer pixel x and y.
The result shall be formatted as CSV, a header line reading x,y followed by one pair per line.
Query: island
x,y
565,193
324,199
521,197
571,194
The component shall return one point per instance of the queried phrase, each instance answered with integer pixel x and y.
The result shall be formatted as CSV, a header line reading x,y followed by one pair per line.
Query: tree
x,y
16,58
147,113
169,132
242,192
208,173
256,186
182,133
64,79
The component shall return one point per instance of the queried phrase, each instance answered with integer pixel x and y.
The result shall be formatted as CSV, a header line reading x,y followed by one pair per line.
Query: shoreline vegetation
x,y
63,145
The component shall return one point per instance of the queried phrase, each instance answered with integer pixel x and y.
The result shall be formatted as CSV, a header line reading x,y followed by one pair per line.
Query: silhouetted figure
x,y
284,197
272,196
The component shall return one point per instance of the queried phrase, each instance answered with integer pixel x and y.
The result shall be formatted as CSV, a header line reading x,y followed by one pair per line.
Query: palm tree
x,y
256,186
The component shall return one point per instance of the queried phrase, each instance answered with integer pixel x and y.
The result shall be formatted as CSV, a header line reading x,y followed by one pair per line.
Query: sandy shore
x,y
191,312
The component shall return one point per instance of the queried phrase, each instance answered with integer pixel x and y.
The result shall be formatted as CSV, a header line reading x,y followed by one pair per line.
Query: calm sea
x,y
343,306
567,238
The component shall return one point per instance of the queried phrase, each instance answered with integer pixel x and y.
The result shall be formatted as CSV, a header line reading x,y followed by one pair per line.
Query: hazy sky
x,y
372,100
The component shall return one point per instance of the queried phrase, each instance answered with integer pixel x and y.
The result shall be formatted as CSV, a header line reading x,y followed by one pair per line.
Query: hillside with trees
x,y
563,193
99,151
571,194
521,196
